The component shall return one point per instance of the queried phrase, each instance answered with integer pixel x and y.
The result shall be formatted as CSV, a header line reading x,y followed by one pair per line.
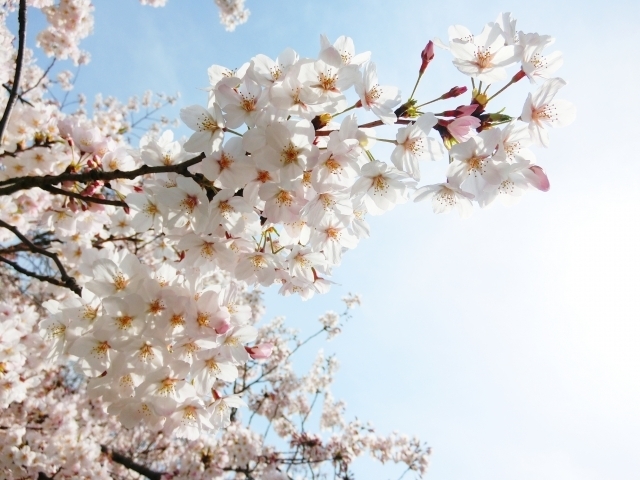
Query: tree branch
x,y
29,273
35,85
101,201
22,33
23,183
65,279
130,464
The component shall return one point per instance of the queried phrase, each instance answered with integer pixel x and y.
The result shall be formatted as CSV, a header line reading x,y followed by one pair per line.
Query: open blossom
x,y
476,162
534,64
484,56
208,125
541,109
380,100
241,104
414,145
381,187
267,72
342,52
446,196
228,167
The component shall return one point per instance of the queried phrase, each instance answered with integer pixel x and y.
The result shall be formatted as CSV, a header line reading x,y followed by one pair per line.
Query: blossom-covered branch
x,y
22,34
65,280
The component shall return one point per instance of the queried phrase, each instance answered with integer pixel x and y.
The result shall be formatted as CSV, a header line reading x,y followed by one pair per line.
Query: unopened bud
x,y
426,55
260,352
454,92
540,179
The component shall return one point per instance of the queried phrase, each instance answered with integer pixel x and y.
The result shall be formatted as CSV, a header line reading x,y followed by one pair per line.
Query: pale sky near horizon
x,y
509,341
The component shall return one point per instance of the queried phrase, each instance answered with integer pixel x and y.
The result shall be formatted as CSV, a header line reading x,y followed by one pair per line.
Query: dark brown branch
x,y
43,239
130,464
65,279
23,183
22,100
101,201
22,33
131,238
29,273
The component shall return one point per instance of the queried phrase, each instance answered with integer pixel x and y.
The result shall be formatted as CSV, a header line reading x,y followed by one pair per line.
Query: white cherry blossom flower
x,y
381,187
475,163
414,145
485,56
208,125
541,109
446,196
380,100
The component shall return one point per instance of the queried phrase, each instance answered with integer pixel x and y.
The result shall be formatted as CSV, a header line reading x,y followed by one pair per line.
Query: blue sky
x,y
509,341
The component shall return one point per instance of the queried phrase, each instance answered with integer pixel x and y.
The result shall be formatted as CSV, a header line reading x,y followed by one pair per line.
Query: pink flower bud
x,y
541,180
463,128
260,352
426,55
454,92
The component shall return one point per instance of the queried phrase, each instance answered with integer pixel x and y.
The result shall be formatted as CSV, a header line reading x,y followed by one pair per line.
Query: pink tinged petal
x,y
222,327
260,352
542,181
463,128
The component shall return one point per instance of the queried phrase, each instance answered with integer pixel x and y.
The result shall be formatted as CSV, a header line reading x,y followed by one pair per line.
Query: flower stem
x,y
232,131
355,105
517,77
415,86
429,102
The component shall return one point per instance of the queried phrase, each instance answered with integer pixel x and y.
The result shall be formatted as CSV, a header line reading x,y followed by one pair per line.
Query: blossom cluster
x,y
167,242
53,425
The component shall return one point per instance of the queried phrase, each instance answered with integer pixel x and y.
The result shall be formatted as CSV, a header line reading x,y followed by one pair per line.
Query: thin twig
x,y
101,201
257,380
66,280
29,273
22,33
46,72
